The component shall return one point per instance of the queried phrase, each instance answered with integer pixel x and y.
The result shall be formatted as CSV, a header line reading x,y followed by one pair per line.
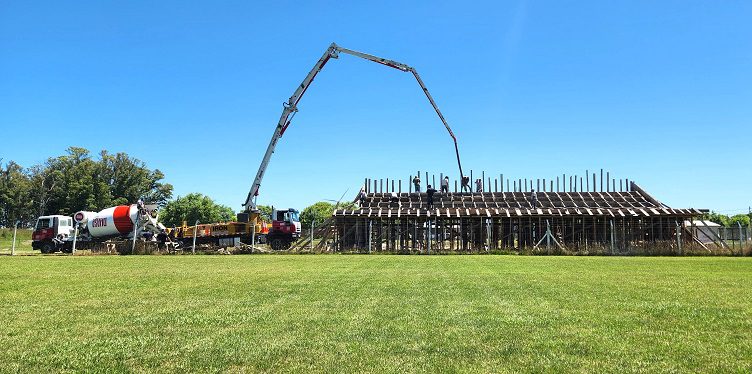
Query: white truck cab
x,y
49,229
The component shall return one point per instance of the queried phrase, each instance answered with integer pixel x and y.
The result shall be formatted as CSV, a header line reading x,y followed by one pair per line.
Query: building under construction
x,y
563,215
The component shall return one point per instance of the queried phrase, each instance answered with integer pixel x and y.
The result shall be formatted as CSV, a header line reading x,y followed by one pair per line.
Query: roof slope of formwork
x,y
633,203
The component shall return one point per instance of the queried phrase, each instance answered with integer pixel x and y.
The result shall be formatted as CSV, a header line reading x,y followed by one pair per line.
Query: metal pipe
x,y
13,246
195,229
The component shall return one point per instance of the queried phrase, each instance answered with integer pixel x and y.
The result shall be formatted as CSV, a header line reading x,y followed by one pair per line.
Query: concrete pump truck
x,y
285,228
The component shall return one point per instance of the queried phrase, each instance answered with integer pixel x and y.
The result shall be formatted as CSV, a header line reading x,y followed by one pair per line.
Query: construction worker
x,y
362,197
534,198
466,183
416,182
429,193
394,199
478,185
445,185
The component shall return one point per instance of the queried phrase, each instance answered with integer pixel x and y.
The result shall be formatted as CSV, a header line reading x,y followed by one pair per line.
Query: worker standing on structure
x,y
534,198
416,182
478,185
445,185
466,183
429,193
362,197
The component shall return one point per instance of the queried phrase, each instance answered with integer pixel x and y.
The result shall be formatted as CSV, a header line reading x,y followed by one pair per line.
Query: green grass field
x,y
23,241
338,313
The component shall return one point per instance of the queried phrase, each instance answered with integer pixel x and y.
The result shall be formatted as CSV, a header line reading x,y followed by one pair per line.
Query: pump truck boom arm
x,y
290,108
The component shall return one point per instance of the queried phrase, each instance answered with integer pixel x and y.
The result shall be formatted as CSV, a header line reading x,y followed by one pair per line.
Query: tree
x,y
742,219
15,192
718,218
318,212
74,181
265,213
194,207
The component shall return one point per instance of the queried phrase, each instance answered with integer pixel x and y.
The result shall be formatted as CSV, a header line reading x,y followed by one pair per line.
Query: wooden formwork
x,y
555,219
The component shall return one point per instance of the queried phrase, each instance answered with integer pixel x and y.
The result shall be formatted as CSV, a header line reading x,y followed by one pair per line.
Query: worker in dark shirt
x,y
416,182
466,183
534,199
429,193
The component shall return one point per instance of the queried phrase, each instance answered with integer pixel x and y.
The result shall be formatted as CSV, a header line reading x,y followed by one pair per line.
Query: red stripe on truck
x,y
122,219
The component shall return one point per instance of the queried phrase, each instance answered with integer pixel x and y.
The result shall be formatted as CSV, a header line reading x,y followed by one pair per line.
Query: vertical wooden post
x,y
601,180
496,185
594,186
608,178
399,186
587,180
483,180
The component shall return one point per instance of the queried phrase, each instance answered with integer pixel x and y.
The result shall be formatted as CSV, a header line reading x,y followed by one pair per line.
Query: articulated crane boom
x,y
290,108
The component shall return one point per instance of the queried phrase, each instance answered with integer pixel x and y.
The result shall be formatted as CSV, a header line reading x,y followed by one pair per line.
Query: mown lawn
x,y
23,241
338,313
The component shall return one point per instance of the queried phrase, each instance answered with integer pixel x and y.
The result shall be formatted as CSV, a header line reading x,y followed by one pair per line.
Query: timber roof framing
x,y
636,203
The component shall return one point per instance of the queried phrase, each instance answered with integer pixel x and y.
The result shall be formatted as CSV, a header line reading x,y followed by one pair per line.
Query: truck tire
x,y
47,247
279,243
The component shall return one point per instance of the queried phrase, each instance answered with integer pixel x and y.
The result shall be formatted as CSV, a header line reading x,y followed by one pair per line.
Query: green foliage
x,y
318,212
266,213
726,221
195,207
73,182
742,219
15,195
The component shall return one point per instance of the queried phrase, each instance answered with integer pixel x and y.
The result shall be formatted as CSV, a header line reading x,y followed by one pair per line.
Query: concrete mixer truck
x,y
57,232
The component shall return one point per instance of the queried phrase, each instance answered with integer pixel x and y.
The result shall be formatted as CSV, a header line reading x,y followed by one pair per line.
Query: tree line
x,y
76,181
728,221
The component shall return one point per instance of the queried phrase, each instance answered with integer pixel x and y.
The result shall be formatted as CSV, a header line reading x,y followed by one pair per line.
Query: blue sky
x,y
658,92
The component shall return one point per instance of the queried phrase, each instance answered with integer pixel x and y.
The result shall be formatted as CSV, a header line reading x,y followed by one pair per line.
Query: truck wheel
x,y
47,248
277,244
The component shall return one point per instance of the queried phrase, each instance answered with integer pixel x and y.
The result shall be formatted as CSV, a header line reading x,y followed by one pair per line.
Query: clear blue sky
x,y
659,92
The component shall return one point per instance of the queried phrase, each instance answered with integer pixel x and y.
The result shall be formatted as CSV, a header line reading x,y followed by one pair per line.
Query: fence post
x,y
13,246
75,237
370,235
135,227
741,243
195,228
612,236
678,237
253,233
313,223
